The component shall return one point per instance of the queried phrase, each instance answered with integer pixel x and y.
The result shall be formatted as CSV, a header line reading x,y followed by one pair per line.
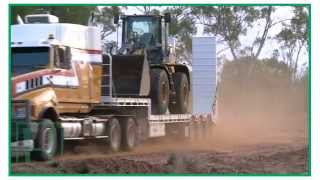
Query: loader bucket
x,y
131,75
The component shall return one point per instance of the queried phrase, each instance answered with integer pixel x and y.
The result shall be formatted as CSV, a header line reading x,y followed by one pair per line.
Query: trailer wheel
x,y
129,134
181,85
159,91
114,134
46,141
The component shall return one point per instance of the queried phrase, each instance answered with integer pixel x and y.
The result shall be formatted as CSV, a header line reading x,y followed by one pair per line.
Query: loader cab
x,y
145,32
141,31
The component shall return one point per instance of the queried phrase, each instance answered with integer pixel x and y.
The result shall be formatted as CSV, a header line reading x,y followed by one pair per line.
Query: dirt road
x,y
268,158
276,153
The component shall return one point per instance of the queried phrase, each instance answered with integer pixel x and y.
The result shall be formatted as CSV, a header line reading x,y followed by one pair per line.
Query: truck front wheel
x,y
46,141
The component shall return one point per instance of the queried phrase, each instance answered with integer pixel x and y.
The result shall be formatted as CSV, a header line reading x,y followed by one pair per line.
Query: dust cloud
x,y
257,109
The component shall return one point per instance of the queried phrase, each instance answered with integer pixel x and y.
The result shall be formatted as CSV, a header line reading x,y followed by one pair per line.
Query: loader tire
x,y
159,91
181,85
46,141
129,134
114,135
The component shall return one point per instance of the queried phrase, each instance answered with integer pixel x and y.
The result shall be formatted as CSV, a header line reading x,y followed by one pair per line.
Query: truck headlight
x,y
20,110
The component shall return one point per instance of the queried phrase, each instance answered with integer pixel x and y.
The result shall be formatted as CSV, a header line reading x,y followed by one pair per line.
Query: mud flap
x,y
60,138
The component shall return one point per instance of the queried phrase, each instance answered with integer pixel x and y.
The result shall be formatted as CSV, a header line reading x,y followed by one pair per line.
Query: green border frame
x,y
308,6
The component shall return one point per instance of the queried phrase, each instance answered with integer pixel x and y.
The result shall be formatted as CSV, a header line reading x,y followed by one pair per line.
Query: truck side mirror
x,y
116,19
167,17
65,57
68,54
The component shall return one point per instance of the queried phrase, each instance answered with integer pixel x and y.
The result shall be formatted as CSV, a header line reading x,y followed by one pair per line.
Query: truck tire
x,y
159,91
129,134
114,135
181,85
46,141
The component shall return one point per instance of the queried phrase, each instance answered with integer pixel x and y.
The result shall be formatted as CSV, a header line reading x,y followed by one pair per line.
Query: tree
x,y
148,10
294,37
103,18
265,14
66,14
231,22
182,27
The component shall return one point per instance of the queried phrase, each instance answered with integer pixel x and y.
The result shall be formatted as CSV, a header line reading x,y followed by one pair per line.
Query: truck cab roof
x,y
74,35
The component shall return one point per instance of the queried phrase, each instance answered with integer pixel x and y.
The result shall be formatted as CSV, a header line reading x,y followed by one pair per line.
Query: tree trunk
x,y
265,32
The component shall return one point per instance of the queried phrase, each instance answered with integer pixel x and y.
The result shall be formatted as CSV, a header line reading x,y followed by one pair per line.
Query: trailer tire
x,y
159,91
129,134
181,86
46,141
114,135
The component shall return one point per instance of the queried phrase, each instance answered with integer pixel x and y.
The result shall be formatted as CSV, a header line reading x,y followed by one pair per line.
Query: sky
x,y
281,13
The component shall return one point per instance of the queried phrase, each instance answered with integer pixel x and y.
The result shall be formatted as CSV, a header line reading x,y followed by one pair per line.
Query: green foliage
x,y
66,14
297,29
182,27
294,37
232,22
148,10
104,19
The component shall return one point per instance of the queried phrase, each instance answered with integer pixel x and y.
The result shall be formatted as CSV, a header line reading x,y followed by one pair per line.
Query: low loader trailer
x,y
63,87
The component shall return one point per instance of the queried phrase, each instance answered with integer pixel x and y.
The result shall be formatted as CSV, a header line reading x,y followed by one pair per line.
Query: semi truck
x,y
65,87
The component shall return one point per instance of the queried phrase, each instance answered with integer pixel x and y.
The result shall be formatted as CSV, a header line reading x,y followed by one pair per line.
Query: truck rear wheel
x,y
159,91
114,135
46,141
181,85
129,134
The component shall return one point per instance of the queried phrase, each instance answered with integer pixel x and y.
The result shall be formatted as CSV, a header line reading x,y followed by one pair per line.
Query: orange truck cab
x,y
55,68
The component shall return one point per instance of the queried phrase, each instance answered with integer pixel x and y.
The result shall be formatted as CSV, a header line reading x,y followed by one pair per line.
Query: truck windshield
x,y
28,59
143,29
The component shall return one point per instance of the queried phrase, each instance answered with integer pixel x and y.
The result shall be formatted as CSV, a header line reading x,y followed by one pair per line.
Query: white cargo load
x,y
204,75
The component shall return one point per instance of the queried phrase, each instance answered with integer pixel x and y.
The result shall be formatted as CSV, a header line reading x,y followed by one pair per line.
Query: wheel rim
x,y
48,140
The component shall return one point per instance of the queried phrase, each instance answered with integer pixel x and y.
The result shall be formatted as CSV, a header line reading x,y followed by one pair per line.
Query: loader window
x,y
28,59
144,30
